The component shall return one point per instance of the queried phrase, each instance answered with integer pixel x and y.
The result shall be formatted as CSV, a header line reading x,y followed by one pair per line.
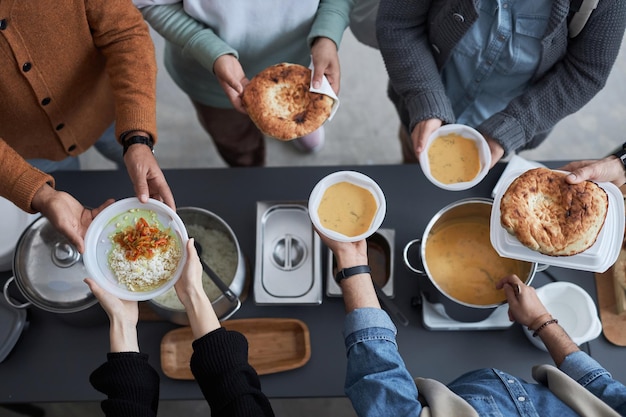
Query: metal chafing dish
x,y
288,259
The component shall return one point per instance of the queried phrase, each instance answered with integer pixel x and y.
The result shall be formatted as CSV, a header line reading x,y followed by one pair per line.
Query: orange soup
x,y
453,158
347,208
463,263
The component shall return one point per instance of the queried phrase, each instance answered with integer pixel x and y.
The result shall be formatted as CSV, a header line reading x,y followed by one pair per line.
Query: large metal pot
x,y
49,273
471,209
224,308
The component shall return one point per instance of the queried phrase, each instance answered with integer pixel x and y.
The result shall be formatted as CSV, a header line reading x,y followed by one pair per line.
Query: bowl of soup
x,y
460,267
347,206
456,157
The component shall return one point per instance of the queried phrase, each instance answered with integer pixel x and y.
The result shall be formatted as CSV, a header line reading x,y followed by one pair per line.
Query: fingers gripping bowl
x,y
136,251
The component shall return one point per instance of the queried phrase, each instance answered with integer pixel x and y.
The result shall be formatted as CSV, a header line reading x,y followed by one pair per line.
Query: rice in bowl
x,y
144,254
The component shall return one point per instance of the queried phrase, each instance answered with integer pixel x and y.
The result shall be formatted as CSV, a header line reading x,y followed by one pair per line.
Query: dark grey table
x,y
53,359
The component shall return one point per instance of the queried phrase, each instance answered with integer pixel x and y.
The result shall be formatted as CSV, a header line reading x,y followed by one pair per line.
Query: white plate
x,y
598,258
14,221
98,244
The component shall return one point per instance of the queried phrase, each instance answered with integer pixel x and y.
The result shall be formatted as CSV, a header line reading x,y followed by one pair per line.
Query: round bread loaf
x,y
280,104
551,216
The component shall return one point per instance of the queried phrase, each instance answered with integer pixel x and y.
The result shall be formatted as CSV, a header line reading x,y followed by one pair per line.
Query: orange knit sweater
x,y
68,69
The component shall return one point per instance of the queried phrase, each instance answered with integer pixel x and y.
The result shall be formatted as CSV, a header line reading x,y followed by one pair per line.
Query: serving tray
x,y
274,345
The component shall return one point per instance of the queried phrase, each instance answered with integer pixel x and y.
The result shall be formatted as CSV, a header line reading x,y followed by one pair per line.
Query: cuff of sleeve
x,y
27,185
205,48
429,105
579,365
331,21
505,130
363,318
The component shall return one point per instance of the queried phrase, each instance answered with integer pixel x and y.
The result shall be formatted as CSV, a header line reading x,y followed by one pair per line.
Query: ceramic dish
x,y
573,307
467,132
598,258
359,180
98,244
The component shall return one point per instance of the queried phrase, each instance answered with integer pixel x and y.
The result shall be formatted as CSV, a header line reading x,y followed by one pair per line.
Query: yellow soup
x,y
463,263
347,209
453,158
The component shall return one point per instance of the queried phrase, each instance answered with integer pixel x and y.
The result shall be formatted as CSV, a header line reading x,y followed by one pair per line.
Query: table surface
x,y
53,358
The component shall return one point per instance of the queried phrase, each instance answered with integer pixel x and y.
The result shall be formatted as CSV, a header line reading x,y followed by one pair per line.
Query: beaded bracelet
x,y
540,328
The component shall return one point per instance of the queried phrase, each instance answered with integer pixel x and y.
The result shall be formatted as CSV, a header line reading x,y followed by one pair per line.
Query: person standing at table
x,y
75,74
510,69
219,361
379,384
212,49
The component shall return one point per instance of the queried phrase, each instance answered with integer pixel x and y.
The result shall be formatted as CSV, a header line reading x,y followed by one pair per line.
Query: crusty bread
x,y
280,104
551,216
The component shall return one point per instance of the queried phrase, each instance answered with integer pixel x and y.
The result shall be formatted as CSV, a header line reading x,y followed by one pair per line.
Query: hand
x,y
497,151
232,78
524,307
421,132
146,175
202,317
325,62
66,214
347,254
123,316
609,169
189,285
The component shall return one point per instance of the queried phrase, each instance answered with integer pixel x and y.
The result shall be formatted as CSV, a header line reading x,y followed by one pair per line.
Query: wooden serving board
x,y
613,322
274,345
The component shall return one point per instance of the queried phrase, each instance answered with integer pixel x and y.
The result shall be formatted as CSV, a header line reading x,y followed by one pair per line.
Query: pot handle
x,y
405,254
5,291
236,305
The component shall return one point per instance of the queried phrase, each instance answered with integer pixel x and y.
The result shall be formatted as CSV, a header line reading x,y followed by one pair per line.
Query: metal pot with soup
x,y
221,251
460,266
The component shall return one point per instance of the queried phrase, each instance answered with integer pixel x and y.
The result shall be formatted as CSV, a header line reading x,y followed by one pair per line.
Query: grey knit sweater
x,y
417,37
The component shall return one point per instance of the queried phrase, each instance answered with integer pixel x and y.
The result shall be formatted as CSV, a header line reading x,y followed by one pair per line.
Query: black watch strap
x,y
348,272
621,155
127,142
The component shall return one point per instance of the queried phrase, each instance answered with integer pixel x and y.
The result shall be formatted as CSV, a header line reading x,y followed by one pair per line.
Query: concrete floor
x,y
364,131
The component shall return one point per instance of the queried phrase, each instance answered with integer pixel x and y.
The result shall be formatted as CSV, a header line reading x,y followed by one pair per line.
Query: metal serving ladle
x,y
215,278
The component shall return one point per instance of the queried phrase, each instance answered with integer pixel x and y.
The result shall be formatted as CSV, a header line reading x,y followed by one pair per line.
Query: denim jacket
x,y
378,383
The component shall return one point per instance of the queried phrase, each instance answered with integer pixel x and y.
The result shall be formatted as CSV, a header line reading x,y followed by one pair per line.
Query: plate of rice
x,y
136,251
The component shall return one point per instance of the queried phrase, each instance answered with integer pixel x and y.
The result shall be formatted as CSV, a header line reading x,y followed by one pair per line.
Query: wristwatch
x,y
621,155
127,142
348,272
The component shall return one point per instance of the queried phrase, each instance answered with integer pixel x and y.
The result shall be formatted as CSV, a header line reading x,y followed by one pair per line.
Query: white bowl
x,y
355,178
575,310
98,245
483,153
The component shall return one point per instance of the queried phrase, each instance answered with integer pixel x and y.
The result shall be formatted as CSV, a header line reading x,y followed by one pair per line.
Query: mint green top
x,y
197,33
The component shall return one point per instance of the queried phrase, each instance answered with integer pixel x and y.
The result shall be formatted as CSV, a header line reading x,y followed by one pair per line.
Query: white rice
x,y
145,274
219,252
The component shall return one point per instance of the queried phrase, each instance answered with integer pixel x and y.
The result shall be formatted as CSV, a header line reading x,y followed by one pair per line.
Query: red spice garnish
x,y
142,240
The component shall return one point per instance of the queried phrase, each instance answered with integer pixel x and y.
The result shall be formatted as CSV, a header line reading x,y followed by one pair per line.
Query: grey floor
x,y
364,131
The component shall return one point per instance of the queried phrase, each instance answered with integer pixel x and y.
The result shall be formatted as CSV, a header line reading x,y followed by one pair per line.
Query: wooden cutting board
x,y
274,345
613,322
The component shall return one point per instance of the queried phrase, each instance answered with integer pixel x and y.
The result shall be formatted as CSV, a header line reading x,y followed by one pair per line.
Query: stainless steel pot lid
x,y
49,271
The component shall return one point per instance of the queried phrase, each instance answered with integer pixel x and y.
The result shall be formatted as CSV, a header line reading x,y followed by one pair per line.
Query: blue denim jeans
x,y
107,145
